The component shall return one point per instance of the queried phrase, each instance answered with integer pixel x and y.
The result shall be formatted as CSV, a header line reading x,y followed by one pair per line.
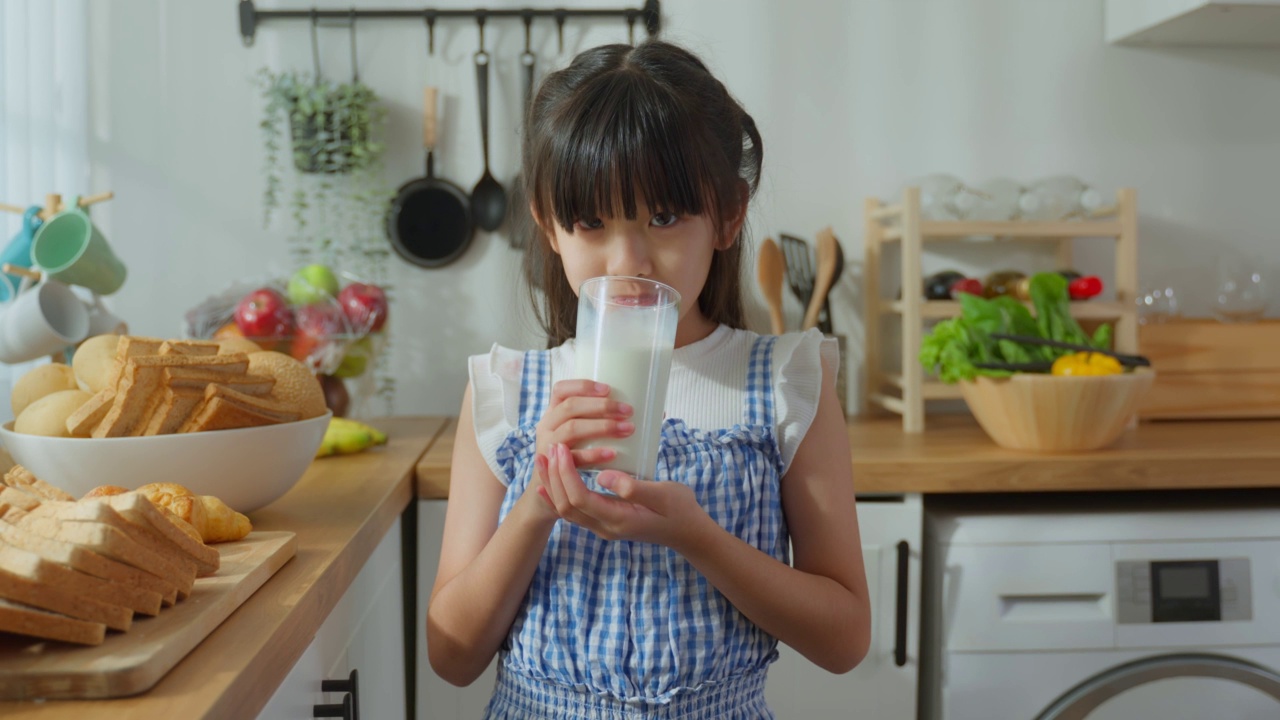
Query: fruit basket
x,y
334,323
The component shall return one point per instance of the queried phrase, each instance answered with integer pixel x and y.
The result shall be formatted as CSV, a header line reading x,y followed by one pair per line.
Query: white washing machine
x,y
1102,607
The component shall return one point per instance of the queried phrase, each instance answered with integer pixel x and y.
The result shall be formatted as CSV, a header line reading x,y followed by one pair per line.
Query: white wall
x,y
853,97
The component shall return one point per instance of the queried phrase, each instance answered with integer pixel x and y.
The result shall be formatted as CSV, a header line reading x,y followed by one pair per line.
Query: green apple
x,y
312,284
356,359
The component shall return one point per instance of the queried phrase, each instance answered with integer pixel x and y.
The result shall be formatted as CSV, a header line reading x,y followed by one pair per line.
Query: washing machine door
x,y
1080,701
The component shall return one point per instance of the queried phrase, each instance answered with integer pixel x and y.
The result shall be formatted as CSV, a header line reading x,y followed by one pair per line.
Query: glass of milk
x,y
626,332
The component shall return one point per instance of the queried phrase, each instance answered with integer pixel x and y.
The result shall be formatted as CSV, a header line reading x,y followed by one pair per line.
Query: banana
x,y
345,436
379,437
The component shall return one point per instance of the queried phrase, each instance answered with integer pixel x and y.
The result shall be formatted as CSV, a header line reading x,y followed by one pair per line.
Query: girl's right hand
x,y
581,410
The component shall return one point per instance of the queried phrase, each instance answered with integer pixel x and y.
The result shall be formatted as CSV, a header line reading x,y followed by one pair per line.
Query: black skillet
x,y
429,223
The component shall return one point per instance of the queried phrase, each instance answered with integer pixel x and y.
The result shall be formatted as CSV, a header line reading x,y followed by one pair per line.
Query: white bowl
x,y
246,468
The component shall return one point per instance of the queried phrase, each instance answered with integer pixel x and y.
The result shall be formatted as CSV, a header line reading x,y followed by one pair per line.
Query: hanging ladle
x,y
488,199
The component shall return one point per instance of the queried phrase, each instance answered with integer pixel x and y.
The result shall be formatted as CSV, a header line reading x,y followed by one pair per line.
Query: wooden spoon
x,y
770,271
823,278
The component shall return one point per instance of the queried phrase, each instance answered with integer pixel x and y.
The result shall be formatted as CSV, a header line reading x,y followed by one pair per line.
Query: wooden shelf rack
x,y
900,224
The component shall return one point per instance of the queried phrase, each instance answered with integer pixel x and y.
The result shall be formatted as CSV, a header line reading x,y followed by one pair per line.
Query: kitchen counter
x,y
954,455
340,509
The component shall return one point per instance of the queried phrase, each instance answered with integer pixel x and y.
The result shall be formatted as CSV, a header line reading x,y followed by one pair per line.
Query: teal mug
x,y
18,252
69,248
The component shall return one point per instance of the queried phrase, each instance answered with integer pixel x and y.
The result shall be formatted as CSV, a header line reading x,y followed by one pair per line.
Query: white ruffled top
x,y
707,388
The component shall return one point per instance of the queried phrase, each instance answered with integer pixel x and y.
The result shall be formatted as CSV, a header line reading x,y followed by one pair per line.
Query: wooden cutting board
x,y
131,662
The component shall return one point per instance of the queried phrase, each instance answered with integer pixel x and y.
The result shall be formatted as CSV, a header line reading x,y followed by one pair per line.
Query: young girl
x,y
666,598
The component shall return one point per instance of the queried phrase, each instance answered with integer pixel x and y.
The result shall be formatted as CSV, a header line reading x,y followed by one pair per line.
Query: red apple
x,y
264,313
313,342
365,306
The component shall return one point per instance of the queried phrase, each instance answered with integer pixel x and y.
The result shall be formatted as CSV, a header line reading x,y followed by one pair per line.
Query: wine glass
x,y
1157,303
1241,294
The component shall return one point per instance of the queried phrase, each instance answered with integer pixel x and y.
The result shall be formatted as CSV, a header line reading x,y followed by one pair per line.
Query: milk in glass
x,y
625,334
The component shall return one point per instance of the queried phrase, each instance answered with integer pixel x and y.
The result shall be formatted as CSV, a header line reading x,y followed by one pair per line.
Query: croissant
x,y
213,519
183,525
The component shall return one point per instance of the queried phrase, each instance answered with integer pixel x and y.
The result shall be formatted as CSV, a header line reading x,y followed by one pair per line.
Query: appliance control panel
x,y
1191,590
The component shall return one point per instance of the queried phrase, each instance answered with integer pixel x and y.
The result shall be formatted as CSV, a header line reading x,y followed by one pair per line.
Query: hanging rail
x,y
250,16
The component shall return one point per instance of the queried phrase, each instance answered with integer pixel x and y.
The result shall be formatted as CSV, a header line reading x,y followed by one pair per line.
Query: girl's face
x,y
672,249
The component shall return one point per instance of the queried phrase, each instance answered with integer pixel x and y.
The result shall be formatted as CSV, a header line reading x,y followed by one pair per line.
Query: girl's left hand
x,y
658,512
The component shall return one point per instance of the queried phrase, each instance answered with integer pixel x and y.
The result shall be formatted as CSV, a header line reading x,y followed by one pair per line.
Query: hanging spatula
x,y
824,277
770,270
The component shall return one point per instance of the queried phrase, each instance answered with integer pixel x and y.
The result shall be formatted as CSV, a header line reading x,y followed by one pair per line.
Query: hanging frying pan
x,y
429,222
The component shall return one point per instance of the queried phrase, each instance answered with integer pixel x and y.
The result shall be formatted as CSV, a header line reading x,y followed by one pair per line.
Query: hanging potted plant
x,y
334,128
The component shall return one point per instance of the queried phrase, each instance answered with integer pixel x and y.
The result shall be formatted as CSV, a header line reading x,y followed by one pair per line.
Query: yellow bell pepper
x,y
1087,363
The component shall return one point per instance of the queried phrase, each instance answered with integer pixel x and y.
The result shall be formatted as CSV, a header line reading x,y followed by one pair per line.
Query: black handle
x,y
1124,359
527,59
340,710
482,85
351,686
900,617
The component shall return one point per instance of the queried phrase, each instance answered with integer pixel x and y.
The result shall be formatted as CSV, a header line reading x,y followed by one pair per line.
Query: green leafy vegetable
x,y
953,346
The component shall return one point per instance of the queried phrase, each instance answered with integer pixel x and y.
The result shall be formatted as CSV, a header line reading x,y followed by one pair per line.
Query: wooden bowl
x,y
1049,413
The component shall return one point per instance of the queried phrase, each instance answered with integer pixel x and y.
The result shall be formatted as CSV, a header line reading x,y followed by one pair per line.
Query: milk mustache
x,y
625,335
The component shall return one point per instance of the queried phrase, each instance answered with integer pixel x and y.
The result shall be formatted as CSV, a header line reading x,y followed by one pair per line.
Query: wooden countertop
x,y
954,455
340,509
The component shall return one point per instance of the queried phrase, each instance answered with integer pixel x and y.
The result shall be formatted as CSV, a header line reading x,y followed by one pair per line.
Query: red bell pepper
x,y
1083,288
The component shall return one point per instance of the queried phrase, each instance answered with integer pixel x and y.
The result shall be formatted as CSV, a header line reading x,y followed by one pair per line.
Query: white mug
x,y
41,321
102,321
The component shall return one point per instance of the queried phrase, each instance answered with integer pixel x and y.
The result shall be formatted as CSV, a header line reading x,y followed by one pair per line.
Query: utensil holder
x,y
842,372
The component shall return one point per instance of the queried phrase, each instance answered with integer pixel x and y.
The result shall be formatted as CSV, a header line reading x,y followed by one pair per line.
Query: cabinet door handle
x,y
350,685
339,710
900,616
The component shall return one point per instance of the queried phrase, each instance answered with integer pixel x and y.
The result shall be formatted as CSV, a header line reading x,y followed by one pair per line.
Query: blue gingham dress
x,y
614,630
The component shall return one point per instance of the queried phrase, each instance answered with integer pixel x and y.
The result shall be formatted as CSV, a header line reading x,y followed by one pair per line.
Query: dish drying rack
x,y
901,224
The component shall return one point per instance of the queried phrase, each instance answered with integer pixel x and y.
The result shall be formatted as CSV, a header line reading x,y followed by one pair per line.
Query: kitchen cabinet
x,y
438,699
884,685
364,632
1239,23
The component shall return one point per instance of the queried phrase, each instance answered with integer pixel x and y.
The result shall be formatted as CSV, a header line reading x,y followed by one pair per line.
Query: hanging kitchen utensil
x,y
429,222
824,318
823,279
519,221
770,270
488,199
799,267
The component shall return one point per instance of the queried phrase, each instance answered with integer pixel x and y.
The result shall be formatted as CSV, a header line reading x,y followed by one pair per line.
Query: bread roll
x,y
231,345
48,415
295,386
94,361
104,491
37,383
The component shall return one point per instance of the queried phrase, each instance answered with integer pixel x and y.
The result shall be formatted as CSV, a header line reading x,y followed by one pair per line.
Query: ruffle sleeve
x,y
800,362
495,400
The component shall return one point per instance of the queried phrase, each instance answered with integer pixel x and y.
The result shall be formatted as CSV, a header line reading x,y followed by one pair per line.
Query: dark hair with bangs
x,y
623,119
